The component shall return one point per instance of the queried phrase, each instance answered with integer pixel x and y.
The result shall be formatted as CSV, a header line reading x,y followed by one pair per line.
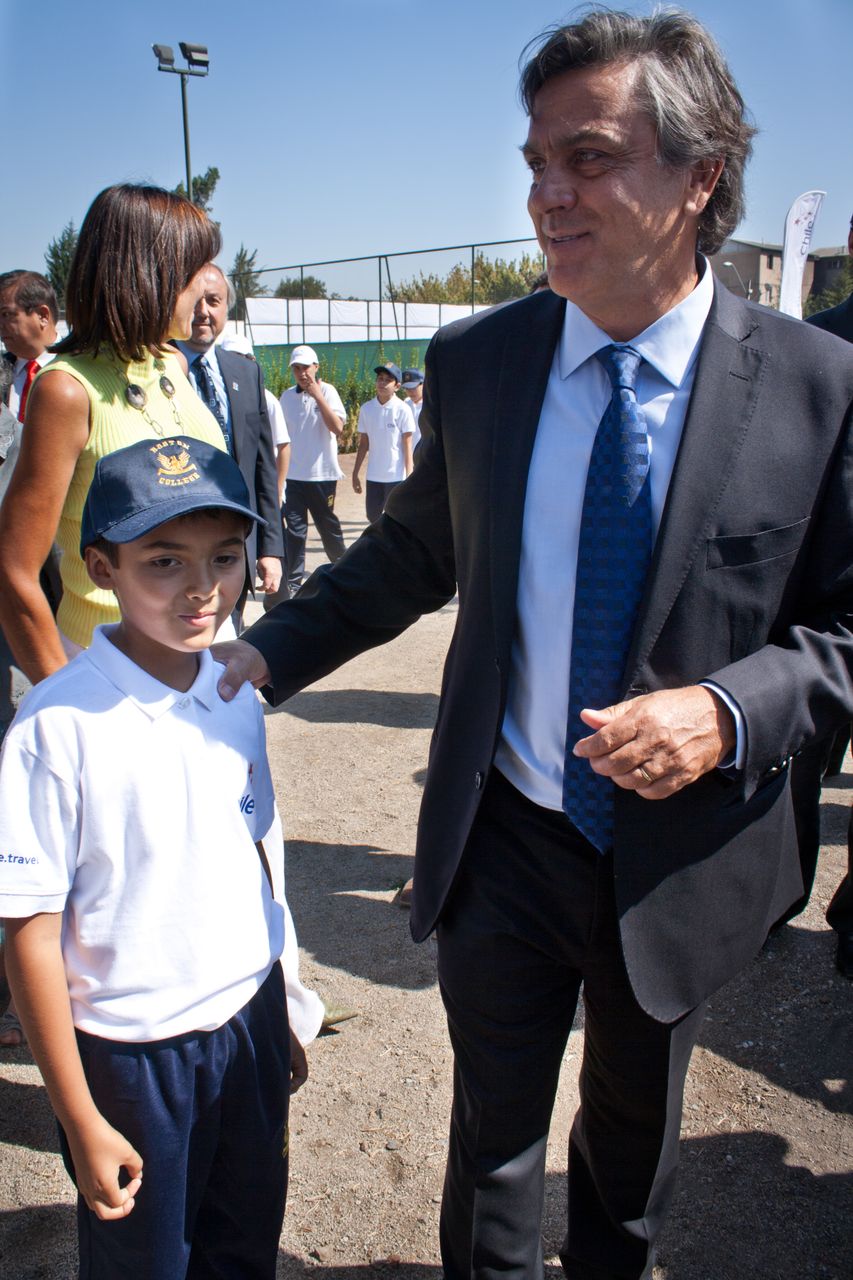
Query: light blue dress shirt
x,y
533,739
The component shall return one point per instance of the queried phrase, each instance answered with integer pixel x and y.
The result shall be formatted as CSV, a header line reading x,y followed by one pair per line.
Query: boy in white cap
x,y
413,385
315,418
132,805
385,429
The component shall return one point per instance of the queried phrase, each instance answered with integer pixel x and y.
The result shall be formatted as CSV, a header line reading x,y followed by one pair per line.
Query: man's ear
x,y
704,176
43,313
99,568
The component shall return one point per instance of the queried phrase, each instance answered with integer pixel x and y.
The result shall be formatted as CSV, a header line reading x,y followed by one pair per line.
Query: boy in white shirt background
x,y
413,385
385,429
315,418
132,805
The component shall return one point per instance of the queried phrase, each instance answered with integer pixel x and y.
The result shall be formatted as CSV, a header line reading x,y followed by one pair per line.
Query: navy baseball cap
x,y
393,369
412,378
151,482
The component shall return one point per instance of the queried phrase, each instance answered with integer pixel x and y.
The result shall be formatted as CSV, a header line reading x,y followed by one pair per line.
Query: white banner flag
x,y
799,226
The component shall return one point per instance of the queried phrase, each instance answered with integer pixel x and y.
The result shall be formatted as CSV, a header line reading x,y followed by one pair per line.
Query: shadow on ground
x,y
362,706
326,886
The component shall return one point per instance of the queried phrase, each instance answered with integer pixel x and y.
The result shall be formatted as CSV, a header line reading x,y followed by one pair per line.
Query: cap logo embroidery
x,y
174,464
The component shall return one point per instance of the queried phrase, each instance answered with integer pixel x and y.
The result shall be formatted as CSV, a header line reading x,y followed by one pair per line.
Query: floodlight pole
x,y
186,137
197,57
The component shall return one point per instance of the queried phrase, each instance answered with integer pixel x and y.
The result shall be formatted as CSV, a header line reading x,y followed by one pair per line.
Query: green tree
x,y
831,297
204,185
246,279
58,257
292,288
495,280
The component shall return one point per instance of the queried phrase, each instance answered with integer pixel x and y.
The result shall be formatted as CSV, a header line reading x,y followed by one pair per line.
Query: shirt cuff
x,y
735,761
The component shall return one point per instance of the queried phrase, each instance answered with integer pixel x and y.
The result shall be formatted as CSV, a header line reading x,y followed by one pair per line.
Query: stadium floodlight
x,y
198,64
196,55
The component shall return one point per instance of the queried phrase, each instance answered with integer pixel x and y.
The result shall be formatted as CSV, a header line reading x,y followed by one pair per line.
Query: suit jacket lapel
x,y
524,368
236,388
725,391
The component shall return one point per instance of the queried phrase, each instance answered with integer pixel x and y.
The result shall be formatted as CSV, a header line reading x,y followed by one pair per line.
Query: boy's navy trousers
x,y
207,1111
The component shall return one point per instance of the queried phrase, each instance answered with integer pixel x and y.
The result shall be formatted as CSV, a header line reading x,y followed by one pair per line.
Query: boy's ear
x,y
99,567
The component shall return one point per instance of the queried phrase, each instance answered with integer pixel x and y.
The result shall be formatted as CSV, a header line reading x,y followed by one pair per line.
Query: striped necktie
x,y
207,391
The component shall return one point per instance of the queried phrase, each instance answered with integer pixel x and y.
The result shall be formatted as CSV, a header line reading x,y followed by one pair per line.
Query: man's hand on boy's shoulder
x,y
243,663
298,1064
100,1153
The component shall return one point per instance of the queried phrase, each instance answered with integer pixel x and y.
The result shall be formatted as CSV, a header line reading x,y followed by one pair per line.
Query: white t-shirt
x,y
280,434
134,808
313,447
385,425
416,414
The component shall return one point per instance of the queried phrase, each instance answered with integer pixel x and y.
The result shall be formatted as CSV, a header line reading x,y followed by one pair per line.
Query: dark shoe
x,y
844,953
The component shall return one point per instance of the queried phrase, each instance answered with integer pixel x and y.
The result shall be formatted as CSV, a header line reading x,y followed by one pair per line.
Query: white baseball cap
x,y
303,355
239,342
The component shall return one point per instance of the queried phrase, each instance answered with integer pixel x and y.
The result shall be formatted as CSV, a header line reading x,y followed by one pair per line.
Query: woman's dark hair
x,y
139,247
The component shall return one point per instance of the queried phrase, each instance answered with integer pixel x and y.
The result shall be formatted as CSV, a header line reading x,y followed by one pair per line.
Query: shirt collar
x,y
670,345
152,697
192,356
41,360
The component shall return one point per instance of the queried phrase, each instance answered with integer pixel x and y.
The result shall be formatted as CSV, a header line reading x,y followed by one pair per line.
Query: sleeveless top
x,y
113,424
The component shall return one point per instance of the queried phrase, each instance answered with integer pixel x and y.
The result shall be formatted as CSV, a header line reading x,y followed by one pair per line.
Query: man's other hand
x,y
660,742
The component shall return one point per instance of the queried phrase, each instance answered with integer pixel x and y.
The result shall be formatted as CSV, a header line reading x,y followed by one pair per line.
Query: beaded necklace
x,y
137,398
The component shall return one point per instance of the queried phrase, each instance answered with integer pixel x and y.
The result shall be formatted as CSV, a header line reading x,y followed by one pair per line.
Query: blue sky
x,y
377,126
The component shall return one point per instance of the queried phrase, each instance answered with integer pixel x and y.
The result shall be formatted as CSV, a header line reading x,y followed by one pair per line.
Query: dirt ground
x,y
767,1144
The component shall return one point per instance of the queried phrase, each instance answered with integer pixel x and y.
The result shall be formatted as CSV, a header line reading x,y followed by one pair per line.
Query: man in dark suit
x,y
632,472
233,389
814,764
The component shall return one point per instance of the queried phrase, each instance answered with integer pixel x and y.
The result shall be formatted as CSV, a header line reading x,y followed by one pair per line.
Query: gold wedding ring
x,y
643,774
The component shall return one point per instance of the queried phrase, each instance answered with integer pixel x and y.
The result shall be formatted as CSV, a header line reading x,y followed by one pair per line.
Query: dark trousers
x,y
376,494
207,1111
808,769
317,499
532,915
839,913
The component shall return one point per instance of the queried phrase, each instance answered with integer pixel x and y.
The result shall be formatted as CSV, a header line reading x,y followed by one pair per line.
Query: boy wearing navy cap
x,y
131,801
385,430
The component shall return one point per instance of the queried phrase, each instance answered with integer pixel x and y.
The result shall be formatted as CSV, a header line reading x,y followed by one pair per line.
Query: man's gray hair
x,y
684,85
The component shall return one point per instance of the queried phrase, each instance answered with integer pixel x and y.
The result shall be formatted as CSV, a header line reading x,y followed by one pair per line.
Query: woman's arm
x,y
55,434
37,978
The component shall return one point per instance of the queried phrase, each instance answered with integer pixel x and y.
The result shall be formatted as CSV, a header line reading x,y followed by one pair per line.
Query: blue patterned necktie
x,y
207,391
613,559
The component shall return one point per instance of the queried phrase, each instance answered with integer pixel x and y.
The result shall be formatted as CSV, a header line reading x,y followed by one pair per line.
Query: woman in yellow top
x,y
133,285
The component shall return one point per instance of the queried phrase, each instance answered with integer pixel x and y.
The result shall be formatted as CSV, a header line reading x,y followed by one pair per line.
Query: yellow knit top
x,y
113,424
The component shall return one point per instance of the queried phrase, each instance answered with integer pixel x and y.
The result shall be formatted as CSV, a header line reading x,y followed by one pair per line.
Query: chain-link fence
x,y
384,297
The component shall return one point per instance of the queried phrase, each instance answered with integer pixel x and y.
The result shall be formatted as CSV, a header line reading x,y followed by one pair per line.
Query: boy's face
x,y
385,387
175,586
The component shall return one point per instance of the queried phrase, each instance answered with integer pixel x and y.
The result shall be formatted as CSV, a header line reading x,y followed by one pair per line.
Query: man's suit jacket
x,y
837,320
750,584
253,450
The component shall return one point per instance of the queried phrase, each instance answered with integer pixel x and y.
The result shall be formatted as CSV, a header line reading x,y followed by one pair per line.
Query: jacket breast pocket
x,y
733,551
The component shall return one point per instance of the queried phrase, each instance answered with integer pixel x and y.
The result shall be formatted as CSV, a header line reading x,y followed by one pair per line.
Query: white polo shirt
x,y
415,407
313,447
280,434
134,808
385,425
